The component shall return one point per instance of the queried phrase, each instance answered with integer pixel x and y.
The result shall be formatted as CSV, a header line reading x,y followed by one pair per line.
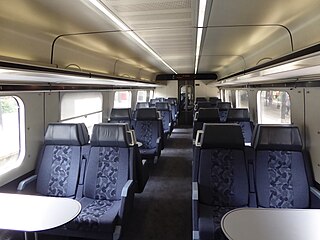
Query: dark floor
x,y
163,210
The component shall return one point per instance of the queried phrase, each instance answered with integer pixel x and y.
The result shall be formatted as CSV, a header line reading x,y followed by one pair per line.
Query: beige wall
x,y
202,90
169,90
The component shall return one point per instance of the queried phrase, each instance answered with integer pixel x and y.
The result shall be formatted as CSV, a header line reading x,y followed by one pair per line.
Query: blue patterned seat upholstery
x,y
166,115
174,109
241,116
121,115
220,179
107,192
205,115
148,130
223,110
280,169
59,160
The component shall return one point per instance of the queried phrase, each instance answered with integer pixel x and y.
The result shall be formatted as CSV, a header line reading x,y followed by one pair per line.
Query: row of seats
x,y
168,110
234,115
205,99
152,125
222,106
102,175
274,173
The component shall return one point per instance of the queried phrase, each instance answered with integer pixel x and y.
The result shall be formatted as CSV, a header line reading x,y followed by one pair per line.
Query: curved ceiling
x,y
237,35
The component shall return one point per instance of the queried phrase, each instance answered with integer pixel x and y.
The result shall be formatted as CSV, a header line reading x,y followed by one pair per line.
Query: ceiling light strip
x,y
124,27
201,14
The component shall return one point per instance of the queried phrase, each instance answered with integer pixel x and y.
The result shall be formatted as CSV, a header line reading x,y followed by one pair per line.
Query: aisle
x,y
163,210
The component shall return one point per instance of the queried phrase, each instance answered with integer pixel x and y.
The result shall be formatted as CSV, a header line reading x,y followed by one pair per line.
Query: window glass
x,y
142,96
227,96
274,107
122,99
242,99
12,139
151,94
82,107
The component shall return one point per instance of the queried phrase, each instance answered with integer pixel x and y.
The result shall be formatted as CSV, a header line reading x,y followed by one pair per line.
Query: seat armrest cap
x,y
22,185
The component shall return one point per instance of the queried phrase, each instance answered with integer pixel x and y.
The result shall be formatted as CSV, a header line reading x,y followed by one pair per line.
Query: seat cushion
x,y
96,215
209,221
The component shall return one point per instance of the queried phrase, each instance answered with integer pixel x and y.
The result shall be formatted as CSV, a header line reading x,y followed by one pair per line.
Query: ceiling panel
x,y
166,26
231,48
232,32
28,27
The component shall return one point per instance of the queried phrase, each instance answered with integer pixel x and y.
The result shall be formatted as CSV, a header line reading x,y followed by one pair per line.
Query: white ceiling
x,y
238,34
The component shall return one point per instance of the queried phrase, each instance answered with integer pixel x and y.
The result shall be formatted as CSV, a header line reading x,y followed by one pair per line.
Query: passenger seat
x,y
281,172
59,161
220,178
108,190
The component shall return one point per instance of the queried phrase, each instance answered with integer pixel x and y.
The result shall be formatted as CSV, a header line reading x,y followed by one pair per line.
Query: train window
x,y
82,107
12,138
274,107
242,99
227,95
122,99
151,94
142,96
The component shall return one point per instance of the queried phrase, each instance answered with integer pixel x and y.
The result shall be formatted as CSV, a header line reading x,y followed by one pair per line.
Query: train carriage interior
x,y
159,119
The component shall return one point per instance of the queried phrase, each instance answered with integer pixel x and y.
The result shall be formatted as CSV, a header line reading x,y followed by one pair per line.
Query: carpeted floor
x,y
163,210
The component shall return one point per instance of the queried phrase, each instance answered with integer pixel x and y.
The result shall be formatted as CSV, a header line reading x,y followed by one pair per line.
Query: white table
x,y
271,224
30,213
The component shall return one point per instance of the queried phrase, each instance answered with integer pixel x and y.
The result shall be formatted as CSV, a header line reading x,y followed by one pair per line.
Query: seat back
x,y
221,166
121,115
223,110
280,170
205,115
241,116
166,115
214,101
142,105
201,99
109,163
60,159
148,127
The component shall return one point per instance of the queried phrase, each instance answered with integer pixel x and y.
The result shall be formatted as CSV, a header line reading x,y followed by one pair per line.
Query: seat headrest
x,y
221,135
142,105
117,113
213,99
204,105
238,114
278,137
172,101
208,115
162,106
110,135
146,114
74,134
224,105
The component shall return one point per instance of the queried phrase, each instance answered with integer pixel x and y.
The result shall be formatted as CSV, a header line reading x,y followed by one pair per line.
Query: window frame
x,y
22,137
260,108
